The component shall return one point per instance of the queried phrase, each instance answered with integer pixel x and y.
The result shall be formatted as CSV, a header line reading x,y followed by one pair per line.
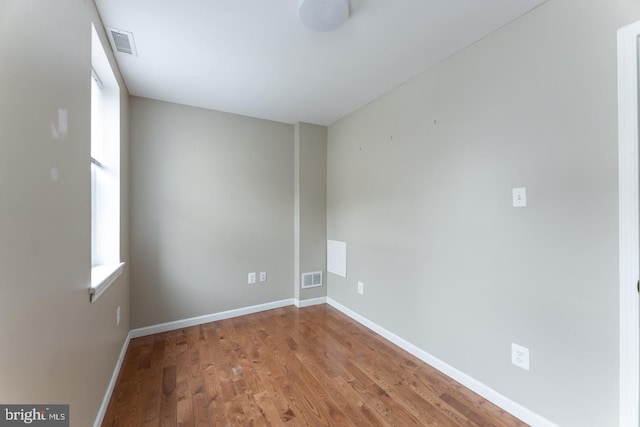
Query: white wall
x,y
212,200
419,186
57,347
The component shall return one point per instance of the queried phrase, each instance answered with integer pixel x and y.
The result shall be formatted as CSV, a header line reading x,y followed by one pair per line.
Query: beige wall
x,y
57,347
419,186
212,200
311,206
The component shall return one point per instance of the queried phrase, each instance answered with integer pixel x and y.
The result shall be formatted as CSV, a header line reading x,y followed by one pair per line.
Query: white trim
x,y
193,321
112,384
629,217
488,393
103,276
309,302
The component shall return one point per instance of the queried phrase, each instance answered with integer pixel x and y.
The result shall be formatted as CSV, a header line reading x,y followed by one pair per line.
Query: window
x,y
105,171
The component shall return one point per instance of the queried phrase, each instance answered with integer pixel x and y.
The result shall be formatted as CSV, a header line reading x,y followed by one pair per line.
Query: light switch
x,y
519,197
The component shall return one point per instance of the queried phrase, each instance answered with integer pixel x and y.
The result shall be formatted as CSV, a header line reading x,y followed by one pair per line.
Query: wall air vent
x,y
311,280
122,41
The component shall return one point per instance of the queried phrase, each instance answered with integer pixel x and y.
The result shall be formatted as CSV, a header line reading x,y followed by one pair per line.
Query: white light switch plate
x,y
519,197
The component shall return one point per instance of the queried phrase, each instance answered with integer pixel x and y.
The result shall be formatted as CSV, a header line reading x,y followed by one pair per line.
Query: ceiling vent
x,y
122,41
311,280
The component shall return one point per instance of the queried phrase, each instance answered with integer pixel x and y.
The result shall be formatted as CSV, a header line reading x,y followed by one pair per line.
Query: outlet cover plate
x,y
520,356
251,278
263,276
361,288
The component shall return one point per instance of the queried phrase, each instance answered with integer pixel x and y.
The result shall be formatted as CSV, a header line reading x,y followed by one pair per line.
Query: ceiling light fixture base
x,y
323,15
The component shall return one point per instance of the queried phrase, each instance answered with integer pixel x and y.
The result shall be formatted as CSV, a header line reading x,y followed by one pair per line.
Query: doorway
x,y
629,188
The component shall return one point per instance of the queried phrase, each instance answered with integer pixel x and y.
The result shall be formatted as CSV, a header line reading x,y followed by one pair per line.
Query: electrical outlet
x,y
251,278
520,197
263,276
520,356
361,288
118,316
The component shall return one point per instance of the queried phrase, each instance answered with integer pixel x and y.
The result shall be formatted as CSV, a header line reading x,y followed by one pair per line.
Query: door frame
x,y
629,188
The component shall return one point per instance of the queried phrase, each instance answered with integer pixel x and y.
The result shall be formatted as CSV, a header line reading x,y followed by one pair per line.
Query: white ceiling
x,y
254,57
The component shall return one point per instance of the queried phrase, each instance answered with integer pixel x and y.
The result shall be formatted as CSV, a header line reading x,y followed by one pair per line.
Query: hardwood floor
x,y
311,366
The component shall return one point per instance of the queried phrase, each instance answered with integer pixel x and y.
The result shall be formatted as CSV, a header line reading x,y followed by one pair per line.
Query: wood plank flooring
x,y
311,366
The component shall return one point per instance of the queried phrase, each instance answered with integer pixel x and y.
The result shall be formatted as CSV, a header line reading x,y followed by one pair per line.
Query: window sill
x,y
102,276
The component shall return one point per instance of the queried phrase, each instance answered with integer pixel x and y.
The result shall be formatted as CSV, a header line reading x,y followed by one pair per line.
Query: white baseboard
x,y
488,393
112,384
193,321
310,302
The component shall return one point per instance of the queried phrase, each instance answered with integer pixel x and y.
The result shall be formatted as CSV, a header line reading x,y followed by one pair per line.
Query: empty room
x,y
319,212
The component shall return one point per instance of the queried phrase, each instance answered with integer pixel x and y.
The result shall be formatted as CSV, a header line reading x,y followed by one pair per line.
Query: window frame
x,y
106,265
